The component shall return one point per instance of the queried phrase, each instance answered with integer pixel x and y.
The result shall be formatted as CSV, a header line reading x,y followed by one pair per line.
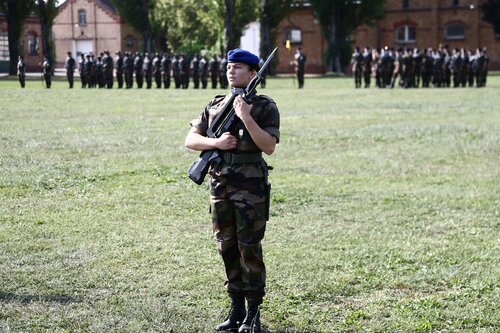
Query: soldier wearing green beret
x,y
239,190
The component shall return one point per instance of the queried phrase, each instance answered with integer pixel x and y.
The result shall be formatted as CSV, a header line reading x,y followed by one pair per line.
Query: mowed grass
x,y
385,211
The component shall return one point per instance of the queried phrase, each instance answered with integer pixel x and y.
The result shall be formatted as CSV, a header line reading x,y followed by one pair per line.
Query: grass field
x,y
385,211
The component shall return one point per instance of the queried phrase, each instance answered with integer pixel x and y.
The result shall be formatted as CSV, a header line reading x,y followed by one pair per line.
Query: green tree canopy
x,y
16,11
491,14
139,14
338,20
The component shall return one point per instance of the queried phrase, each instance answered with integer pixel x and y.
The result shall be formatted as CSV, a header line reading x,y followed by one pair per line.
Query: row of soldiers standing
x,y
411,67
146,69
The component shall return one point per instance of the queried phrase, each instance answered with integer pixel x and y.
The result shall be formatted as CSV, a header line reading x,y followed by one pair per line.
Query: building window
x,y
32,44
4,46
406,4
406,34
129,42
82,17
294,36
456,3
455,31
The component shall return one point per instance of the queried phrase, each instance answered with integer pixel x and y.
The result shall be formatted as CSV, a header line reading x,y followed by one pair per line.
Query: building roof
x,y
109,5
106,5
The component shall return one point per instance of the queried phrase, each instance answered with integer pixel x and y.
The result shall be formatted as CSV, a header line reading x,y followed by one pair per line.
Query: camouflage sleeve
x,y
201,122
270,120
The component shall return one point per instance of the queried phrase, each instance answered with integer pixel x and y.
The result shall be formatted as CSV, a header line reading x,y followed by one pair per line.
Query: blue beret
x,y
239,55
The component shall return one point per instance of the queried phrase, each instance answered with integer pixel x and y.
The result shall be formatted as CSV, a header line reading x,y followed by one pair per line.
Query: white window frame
x,y
82,17
4,46
32,44
406,39
294,36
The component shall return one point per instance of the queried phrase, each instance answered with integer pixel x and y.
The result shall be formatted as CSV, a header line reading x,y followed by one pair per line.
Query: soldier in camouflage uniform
x,y
239,190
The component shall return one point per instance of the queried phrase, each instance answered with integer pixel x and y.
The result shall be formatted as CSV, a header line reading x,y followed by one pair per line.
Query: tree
x,y
188,26
491,14
228,25
272,13
194,25
338,19
47,11
138,14
17,11
237,15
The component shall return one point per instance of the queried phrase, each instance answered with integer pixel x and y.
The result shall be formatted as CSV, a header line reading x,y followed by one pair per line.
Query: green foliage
x,y
140,15
491,14
338,19
385,211
16,13
192,25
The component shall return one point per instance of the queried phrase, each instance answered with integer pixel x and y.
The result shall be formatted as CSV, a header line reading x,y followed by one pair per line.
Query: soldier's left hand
x,y
242,108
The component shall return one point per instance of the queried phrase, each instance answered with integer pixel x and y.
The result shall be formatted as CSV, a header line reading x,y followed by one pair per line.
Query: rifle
x,y
223,122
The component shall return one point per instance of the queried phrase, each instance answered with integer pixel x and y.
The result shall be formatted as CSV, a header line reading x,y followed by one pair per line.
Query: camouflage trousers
x,y
238,206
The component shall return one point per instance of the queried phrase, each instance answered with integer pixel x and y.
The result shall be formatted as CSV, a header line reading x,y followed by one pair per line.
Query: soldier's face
x,y
239,74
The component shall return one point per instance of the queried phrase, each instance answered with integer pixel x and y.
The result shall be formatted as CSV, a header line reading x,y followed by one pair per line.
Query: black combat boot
x,y
236,315
251,324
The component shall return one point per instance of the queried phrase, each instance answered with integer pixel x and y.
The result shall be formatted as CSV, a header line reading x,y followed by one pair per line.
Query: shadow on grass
x,y
23,298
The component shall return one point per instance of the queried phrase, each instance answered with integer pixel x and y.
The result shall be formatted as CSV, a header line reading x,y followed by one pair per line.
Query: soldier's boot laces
x,y
251,324
235,317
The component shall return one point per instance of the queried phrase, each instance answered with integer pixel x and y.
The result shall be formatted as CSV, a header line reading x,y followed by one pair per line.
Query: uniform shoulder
x,y
217,99
265,98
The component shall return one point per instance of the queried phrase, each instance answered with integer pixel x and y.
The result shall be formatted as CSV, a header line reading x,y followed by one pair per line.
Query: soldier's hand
x,y
242,108
226,142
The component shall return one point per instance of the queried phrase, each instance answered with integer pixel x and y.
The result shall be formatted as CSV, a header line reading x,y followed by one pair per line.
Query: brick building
x,y
91,26
30,43
428,23
407,23
301,28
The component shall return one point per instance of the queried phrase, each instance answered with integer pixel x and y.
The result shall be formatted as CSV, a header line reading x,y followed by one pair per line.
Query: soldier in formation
x,y
47,72
119,65
441,67
214,71
195,70
357,67
300,65
166,68
21,71
147,66
157,70
107,69
70,65
204,72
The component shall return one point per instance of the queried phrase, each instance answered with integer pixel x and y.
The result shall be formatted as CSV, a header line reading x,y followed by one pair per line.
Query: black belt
x,y
242,158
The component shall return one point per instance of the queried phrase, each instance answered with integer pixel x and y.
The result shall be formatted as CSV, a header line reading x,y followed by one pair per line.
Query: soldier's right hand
x,y
226,142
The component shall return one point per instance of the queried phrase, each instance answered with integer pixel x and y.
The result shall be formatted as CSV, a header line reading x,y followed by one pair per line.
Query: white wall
x,y
250,40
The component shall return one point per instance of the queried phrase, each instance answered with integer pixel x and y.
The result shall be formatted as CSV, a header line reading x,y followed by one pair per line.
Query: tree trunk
x,y
339,38
332,34
228,25
265,33
45,29
14,33
147,33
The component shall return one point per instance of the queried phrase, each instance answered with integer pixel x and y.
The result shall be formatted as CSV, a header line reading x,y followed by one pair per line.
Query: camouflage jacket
x,y
266,115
